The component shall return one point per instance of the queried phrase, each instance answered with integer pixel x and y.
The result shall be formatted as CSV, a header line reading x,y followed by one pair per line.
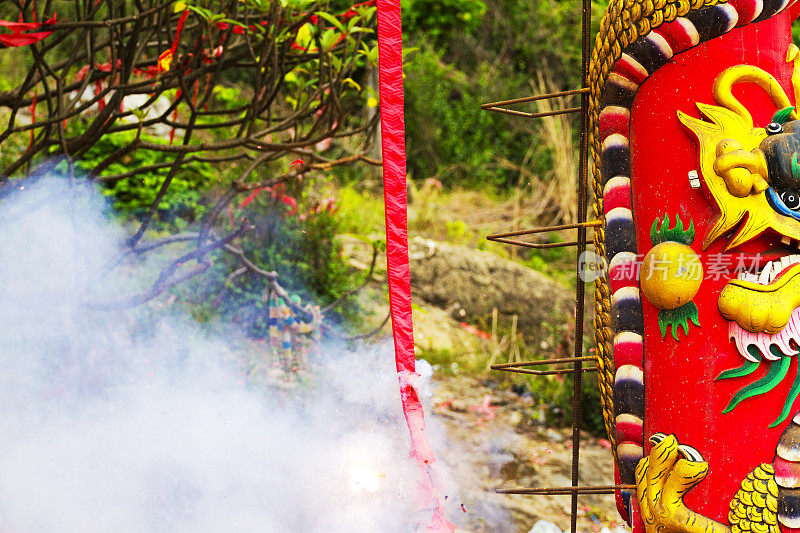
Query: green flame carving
x,y
777,371
678,317
677,234
782,116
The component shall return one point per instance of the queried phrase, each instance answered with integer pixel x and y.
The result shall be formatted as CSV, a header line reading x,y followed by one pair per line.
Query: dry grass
x,y
551,197
556,133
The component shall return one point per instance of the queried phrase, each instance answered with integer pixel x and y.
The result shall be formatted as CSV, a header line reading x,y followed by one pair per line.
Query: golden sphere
x,y
670,275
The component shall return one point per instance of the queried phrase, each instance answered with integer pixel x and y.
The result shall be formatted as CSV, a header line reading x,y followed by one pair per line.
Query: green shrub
x,y
302,249
439,18
449,136
135,194
559,407
361,212
461,66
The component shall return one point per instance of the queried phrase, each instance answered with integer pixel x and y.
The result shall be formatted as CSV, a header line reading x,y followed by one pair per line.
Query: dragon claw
x,y
662,480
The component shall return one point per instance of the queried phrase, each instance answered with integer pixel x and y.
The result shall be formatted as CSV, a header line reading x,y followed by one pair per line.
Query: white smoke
x,y
141,421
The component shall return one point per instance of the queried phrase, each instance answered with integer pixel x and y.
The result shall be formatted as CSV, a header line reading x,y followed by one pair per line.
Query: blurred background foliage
x,y
482,51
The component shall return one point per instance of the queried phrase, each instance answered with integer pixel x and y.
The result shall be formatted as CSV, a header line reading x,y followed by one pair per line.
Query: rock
x,y
554,435
543,526
456,284
470,283
435,330
459,406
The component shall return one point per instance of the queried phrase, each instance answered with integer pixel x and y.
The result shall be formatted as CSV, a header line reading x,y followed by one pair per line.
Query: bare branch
x,y
167,278
118,90
362,336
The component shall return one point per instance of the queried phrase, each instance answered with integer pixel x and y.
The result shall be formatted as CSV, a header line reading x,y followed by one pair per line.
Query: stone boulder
x,y
470,283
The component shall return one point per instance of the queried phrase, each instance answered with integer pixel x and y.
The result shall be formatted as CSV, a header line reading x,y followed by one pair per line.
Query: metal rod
x,y
501,366
580,290
534,115
527,492
546,96
592,224
542,245
546,372
557,491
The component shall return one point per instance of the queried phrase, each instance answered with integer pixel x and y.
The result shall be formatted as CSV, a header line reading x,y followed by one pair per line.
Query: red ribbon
x,y
18,38
390,43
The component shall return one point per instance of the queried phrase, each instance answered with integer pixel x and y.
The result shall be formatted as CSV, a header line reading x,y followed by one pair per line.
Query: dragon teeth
x,y
764,277
778,268
770,270
773,268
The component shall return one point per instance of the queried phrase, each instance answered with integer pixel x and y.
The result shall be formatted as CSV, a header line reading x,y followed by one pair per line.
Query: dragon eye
x,y
774,128
791,199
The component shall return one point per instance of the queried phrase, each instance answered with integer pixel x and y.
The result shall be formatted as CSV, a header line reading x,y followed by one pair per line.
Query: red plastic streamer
x,y
390,43
18,37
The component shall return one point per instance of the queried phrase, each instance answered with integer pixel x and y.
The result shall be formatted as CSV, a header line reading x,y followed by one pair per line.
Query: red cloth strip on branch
x,y
390,43
17,37
166,57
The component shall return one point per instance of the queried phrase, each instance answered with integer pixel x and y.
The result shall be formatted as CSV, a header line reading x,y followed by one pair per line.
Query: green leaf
x,y
408,51
664,233
329,39
663,322
205,13
333,20
783,115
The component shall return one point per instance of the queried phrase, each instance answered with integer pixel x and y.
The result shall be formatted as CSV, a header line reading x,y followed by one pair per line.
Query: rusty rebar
x,y
540,245
580,289
532,115
564,491
501,366
557,372
546,229
525,99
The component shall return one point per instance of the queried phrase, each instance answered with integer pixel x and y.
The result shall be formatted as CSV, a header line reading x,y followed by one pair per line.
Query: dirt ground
x,y
493,440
